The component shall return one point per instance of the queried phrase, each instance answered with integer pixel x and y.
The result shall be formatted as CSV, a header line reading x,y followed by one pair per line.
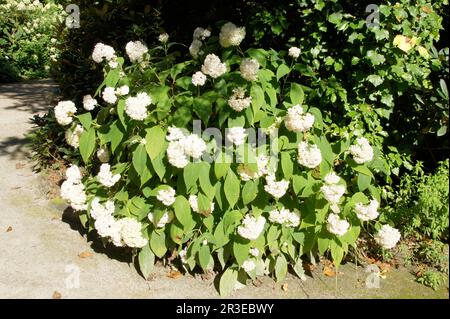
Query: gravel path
x,y
43,254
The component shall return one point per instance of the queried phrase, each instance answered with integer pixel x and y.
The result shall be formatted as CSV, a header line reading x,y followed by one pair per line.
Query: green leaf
x,y
112,77
116,135
232,188
203,108
337,253
158,243
249,191
85,120
87,144
297,95
240,250
287,165
363,181
204,255
257,95
183,212
155,141
227,282
191,174
140,159
159,166
222,165
146,260
205,180
280,268
282,70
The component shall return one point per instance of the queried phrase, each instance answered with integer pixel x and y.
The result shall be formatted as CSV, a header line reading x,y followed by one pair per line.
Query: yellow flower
x,y
423,52
404,43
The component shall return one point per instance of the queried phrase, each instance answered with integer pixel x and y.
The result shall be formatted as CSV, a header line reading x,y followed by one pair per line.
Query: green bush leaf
x,y
232,188
227,282
249,191
155,141
297,95
87,144
282,70
158,243
183,212
280,268
146,260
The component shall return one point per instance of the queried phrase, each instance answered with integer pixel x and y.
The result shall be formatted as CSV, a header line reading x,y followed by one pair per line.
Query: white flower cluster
x,y
166,196
166,218
251,227
336,225
274,188
105,224
136,106
284,217
193,202
89,102
136,50
105,176
103,154
104,52
182,146
198,79
236,135
294,52
199,34
64,111
254,252
231,35
73,136
249,265
332,191
309,155
249,69
297,121
109,95
367,212
238,101
246,174
213,67
362,151
131,232
387,237
72,189
123,90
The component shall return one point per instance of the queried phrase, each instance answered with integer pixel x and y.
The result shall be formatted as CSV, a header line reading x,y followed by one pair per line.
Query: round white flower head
x,y
64,111
236,135
246,174
362,151
166,196
175,134
103,52
284,217
297,121
107,226
251,227
74,194
367,212
193,202
231,35
387,237
294,52
254,252
136,50
109,95
309,155
332,178
249,265
194,146
166,218
163,37
249,69
336,225
183,255
123,90
176,155
73,136
73,174
213,67
89,102
103,154
194,48
99,210
201,34
136,106
198,79
113,63
130,232
274,188
333,193
105,177
238,101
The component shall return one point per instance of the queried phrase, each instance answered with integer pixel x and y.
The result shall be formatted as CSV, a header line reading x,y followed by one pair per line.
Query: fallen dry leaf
x,y
56,295
85,254
327,271
20,165
174,274
384,267
309,267
257,282
9,229
285,287
427,9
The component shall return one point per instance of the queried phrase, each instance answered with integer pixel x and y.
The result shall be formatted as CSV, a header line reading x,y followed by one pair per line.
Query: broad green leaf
x,y
204,255
183,211
191,173
287,165
249,191
280,268
146,261
158,243
87,144
297,95
155,140
363,181
240,250
227,282
140,159
85,120
232,188
282,70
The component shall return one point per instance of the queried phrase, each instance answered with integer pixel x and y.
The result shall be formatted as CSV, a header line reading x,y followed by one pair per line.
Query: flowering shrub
x,y
29,32
225,198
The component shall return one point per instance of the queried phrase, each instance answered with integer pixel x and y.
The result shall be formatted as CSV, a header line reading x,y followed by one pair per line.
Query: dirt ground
x,y
44,254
